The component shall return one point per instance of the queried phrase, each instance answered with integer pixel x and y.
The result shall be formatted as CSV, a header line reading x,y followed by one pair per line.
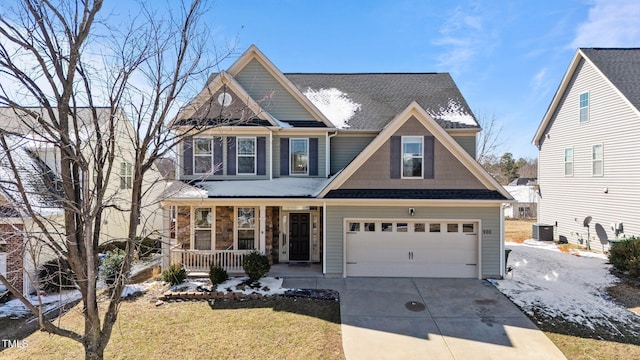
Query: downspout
x,y
503,259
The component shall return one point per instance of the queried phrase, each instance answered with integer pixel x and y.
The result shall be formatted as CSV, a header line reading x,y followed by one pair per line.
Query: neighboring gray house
x,y
588,166
367,174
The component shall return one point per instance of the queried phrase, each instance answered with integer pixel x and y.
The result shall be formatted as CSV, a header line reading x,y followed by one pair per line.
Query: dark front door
x,y
299,237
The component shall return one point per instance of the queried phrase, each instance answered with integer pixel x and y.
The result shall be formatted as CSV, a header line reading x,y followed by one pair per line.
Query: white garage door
x,y
412,248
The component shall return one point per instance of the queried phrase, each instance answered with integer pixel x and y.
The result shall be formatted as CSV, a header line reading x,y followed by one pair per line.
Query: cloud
x,y
464,35
610,24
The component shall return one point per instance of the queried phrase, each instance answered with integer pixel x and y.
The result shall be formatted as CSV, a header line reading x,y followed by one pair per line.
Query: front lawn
x,y
275,328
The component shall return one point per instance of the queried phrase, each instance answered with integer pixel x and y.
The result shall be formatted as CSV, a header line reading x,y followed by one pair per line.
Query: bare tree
x,y
86,79
490,139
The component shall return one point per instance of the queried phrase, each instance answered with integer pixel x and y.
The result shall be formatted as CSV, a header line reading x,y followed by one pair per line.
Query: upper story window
x,y
126,175
299,156
246,156
584,107
568,162
598,160
412,156
202,156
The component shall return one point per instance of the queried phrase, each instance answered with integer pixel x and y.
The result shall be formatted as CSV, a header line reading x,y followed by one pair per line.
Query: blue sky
x,y
507,57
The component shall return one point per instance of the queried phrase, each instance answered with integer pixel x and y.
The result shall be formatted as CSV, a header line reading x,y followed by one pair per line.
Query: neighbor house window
x,y
412,156
246,227
598,160
584,107
203,221
299,156
126,175
202,156
246,156
568,162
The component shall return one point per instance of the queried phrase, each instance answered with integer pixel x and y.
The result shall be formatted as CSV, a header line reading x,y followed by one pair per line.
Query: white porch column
x,y
166,237
263,225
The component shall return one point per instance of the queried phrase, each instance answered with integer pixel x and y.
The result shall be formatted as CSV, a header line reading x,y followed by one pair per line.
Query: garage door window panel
x,y
354,226
402,227
369,227
418,227
452,228
387,227
467,228
434,228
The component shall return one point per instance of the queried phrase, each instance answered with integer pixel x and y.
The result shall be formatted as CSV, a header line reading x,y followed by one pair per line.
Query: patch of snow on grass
x,y
15,308
132,289
267,286
454,113
334,104
548,283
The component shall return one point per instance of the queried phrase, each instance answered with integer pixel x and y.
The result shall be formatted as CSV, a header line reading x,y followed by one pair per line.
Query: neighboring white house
x,y
588,168
39,168
525,204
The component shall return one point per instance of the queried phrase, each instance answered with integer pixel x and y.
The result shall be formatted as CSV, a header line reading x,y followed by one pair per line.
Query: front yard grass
x,y
275,328
574,344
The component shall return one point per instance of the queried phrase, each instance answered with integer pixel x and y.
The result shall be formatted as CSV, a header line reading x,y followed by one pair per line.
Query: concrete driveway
x,y
420,318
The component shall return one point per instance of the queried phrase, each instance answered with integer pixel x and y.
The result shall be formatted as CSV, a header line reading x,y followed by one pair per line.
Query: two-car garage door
x,y
410,248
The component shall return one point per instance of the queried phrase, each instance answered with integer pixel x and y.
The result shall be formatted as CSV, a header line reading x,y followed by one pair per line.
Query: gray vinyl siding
x,y
257,81
322,154
346,148
468,143
567,200
224,175
490,217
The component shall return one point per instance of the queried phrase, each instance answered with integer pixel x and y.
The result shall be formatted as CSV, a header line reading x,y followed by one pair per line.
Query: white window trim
x,y
210,155
564,154
593,160
129,175
402,157
256,217
588,107
196,228
255,154
291,173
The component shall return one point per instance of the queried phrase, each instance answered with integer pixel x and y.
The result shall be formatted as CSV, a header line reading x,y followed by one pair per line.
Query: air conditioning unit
x,y
543,232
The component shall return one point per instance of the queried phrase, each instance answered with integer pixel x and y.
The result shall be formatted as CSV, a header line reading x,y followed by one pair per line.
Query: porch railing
x,y
201,260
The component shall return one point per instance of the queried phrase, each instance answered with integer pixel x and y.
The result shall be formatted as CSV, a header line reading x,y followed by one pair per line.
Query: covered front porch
x,y
216,232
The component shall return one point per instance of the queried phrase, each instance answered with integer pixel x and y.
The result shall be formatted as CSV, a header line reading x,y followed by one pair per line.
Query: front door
x,y
299,237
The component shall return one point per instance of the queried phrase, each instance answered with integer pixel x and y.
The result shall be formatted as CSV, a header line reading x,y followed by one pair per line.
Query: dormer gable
x,y
413,124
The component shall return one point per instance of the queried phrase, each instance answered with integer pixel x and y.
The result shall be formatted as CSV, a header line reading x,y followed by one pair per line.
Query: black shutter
x,y
217,156
187,155
428,157
231,155
313,156
262,156
284,156
396,157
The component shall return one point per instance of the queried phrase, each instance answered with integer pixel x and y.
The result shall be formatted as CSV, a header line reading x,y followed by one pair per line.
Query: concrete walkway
x,y
419,318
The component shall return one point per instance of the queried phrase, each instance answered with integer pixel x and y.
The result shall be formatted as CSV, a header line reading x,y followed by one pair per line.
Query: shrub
x,y
147,246
217,274
255,265
625,255
174,275
111,266
56,275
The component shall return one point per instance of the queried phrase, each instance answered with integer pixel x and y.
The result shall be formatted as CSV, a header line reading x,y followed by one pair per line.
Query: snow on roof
x,y
37,178
334,104
523,193
278,187
181,190
549,283
454,112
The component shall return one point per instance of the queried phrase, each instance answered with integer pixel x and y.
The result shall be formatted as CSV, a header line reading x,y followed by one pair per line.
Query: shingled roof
x,y
622,67
378,97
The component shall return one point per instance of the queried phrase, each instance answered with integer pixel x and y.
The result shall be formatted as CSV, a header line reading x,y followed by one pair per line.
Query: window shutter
x,y
231,155
396,157
428,157
262,156
217,156
284,156
313,156
187,155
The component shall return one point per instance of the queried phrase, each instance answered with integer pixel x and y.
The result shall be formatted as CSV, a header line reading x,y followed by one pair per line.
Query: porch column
x,y
263,226
166,237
